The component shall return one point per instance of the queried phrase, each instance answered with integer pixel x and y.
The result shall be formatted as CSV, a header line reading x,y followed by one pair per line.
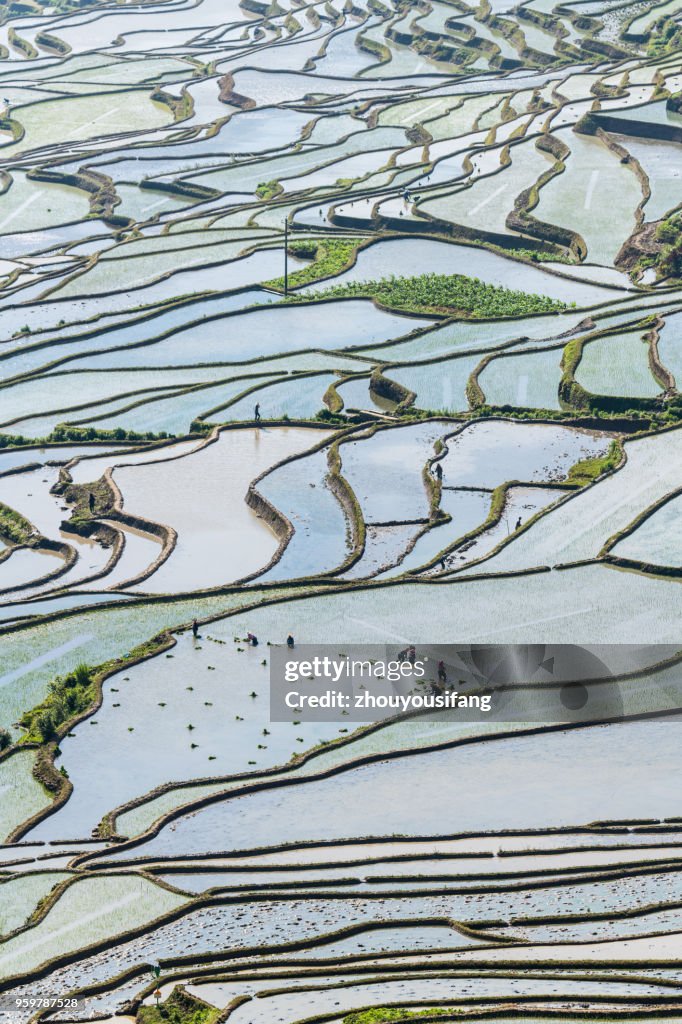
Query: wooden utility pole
x,y
286,257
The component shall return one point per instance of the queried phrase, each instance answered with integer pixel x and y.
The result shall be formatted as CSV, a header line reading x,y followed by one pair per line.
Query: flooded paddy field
x,y
359,324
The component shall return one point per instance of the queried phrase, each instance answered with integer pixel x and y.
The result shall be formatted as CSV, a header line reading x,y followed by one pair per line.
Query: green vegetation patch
x,y
268,189
665,37
179,1008
383,1015
668,263
68,696
63,433
329,257
540,256
587,470
13,526
444,294
89,500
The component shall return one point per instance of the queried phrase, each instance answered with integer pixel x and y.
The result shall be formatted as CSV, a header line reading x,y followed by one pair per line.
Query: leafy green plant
x,y
665,37
442,293
669,234
383,1015
14,527
179,1008
329,255
68,696
540,256
64,433
268,189
587,470
326,416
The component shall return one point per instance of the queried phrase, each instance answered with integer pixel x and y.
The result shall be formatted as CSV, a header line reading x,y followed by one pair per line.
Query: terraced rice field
x,y
360,323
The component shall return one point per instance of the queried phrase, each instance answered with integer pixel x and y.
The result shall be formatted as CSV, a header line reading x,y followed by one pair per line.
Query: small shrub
x,y
45,726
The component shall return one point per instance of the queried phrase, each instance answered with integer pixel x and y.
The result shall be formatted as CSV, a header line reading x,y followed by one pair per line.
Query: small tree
x,y
45,726
71,702
81,674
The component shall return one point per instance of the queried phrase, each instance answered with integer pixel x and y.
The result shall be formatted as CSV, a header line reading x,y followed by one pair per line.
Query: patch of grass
x,y
665,37
540,256
668,261
442,293
63,433
382,1015
68,696
587,470
329,257
13,526
326,416
268,189
79,496
179,1008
